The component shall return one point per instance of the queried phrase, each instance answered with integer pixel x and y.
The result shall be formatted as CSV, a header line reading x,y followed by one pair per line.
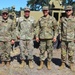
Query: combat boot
x,y
72,67
62,66
23,64
8,63
41,65
2,64
31,64
48,65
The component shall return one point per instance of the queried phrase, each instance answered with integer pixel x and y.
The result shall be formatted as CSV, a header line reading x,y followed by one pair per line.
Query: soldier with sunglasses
x,y
67,29
6,37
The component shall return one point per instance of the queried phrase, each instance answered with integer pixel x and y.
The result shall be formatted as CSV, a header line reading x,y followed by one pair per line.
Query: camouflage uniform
x,y
67,28
6,35
26,34
44,31
68,37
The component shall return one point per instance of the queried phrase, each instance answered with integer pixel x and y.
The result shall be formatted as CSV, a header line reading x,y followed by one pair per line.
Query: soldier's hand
x,y
37,39
12,41
54,39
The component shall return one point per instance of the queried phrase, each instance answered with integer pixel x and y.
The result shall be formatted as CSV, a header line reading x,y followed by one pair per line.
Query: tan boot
x,y
8,64
62,66
48,65
2,64
23,64
31,64
71,67
41,65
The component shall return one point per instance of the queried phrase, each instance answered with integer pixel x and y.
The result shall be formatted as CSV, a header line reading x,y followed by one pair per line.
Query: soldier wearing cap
x,y
25,27
6,37
67,29
44,33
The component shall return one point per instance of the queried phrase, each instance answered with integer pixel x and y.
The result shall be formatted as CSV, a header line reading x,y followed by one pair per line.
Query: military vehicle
x,y
58,9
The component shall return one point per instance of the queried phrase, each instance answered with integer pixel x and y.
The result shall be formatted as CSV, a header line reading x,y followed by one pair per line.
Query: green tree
x,y
70,2
37,4
67,2
64,2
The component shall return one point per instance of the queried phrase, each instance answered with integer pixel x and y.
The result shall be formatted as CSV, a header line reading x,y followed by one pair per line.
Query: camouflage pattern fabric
x,y
45,28
5,48
67,49
26,46
26,28
6,28
46,45
45,31
26,34
67,30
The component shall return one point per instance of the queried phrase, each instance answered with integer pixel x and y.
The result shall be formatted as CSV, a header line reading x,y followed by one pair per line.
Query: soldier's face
x,y
5,15
45,12
69,12
26,13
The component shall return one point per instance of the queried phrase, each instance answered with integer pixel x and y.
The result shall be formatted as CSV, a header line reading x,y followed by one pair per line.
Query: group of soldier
x,y
45,32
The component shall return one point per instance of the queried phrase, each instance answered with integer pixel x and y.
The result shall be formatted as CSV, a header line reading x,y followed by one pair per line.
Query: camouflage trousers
x,y
26,45
67,49
46,45
5,48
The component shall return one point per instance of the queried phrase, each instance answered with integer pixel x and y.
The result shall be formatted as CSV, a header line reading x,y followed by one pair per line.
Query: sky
x,y
16,3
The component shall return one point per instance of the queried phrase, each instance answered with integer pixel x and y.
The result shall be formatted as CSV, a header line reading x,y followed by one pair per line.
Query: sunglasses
x,y
5,13
68,10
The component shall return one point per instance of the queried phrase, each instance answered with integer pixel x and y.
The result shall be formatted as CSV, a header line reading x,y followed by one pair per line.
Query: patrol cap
x,y
45,8
26,9
4,11
69,7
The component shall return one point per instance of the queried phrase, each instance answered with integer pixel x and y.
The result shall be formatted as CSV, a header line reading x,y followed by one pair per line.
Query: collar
x,y
48,16
5,21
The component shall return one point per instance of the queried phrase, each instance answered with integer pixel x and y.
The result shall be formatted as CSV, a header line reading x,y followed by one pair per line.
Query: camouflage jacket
x,y
25,28
67,28
46,27
6,30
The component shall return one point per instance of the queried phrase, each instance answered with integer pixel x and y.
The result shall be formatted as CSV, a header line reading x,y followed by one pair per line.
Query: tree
x,y
37,4
70,2
64,2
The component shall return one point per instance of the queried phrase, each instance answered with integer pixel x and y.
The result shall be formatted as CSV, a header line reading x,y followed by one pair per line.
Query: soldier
x,y
67,29
44,33
6,37
26,34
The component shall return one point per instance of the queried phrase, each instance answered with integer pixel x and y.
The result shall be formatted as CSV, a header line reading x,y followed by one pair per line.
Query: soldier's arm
x,y
33,27
13,28
37,30
13,36
18,30
18,27
55,29
60,28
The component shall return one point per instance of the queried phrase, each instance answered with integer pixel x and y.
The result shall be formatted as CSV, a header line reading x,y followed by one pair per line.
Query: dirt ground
x,y
14,68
